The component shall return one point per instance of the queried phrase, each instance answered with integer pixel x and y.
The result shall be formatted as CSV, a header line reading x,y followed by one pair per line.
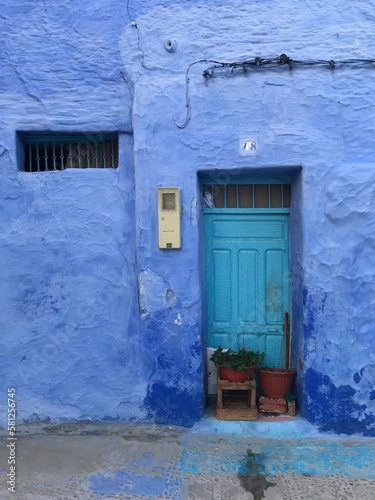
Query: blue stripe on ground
x,y
273,457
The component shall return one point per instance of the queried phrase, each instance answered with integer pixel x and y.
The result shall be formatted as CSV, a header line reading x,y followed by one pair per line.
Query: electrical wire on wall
x,y
231,69
187,91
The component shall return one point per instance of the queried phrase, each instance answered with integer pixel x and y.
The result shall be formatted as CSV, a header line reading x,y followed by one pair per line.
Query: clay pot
x,y
275,382
250,371
232,375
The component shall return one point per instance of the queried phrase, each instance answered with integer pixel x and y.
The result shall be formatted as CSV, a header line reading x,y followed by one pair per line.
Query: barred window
x,y
263,196
48,152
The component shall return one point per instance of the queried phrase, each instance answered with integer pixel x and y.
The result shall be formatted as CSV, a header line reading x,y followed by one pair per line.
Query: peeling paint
x,y
346,416
178,321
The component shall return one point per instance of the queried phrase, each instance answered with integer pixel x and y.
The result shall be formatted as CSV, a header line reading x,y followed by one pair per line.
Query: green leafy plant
x,y
289,397
237,360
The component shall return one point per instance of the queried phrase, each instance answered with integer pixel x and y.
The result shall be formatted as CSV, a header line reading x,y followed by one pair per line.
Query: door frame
x,y
293,176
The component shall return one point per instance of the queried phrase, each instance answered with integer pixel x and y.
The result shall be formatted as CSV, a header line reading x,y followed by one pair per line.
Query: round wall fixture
x,y
170,45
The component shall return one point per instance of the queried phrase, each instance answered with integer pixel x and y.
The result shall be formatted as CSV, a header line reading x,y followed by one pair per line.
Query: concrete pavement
x,y
213,460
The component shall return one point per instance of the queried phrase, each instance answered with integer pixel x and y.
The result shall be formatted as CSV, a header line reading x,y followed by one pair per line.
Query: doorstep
x,y
265,410
262,417
267,427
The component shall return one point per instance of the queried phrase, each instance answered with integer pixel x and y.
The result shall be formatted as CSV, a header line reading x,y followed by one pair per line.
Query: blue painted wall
x,y
96,322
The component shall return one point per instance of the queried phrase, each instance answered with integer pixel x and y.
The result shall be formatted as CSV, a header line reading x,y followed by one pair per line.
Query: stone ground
x,y
213,460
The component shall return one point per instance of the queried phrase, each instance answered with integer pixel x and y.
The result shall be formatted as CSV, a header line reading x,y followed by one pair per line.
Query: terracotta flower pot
x,y
275,382
232,375
250,371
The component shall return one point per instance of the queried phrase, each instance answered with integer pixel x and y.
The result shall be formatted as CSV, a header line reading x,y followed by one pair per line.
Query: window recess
x,y
50,152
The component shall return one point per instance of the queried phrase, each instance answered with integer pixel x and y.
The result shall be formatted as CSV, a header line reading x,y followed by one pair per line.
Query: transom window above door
x,y
246,196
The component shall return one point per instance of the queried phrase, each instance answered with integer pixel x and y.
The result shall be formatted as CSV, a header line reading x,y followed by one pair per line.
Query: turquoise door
x,y
247,281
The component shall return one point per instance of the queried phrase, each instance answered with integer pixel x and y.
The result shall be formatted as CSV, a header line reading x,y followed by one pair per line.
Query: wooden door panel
x,y
222,270
247,279
238,229
274,349
247,282
275,286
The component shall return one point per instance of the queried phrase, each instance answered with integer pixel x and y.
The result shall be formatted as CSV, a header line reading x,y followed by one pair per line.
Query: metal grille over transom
x,y
50,152
246,196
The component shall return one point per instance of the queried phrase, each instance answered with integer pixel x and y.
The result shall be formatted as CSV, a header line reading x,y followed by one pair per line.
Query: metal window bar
x,y
45,157
61,156
37,158
104,156
276,201
112,155
70,155
96,155
88,154
54,155
58,152
275,196
79,157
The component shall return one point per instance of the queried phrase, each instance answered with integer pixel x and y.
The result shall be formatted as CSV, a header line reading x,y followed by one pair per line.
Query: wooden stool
x,y
239,407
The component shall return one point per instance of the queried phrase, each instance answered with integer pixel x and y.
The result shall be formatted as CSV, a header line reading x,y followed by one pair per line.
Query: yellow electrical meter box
x,y
169,217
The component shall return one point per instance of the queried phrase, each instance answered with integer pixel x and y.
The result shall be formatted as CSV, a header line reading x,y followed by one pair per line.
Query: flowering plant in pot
x,y
236,366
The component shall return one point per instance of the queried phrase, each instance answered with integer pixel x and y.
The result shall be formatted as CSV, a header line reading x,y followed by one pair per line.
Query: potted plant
x,y
275,382
291,402
236,366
